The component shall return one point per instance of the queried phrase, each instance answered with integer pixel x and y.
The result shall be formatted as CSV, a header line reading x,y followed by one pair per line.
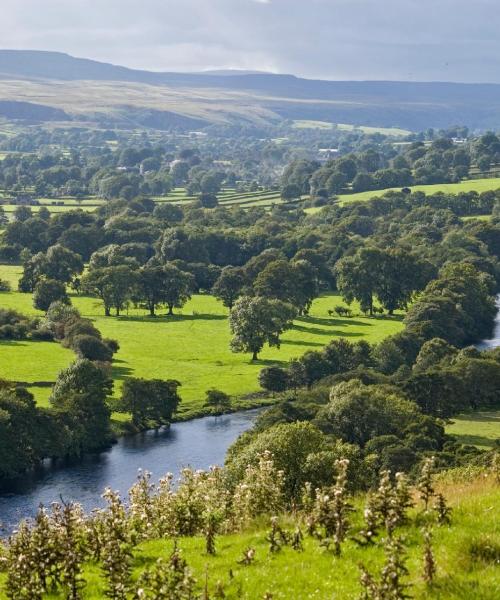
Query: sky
x,y
416,40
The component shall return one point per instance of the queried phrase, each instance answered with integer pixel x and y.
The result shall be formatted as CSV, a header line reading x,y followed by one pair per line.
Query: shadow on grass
x,y
302,343
328,332
480,417
268,362
333,322
170,318
121,371
475,440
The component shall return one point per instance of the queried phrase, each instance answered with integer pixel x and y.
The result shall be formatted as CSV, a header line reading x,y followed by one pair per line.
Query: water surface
x,y
199,443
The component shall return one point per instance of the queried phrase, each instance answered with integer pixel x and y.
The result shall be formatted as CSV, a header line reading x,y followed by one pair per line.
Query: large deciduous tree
x,y
229,285
257,321
150,401
113,285
80,395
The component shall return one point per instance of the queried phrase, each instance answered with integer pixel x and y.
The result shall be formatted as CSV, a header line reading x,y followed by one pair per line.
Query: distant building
x,y
325,154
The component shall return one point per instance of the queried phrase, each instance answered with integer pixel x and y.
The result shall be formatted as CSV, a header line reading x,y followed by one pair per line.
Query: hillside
x,y
115,95
298,567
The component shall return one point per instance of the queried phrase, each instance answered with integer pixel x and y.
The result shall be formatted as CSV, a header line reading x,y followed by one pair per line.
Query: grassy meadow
x,y
466,554
192,346
469,185
311,124
481,429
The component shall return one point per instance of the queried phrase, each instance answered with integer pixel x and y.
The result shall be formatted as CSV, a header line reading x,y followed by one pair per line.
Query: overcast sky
x,y
447,40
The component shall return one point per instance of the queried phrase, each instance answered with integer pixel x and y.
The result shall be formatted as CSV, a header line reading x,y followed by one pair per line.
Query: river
x,y
494,341
199,443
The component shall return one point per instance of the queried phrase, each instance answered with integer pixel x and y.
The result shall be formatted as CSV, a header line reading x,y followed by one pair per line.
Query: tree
x,y
22,213
18,439
48,291
257,321
400,274
290,191
357,277
178,287
274,379
357,412
113,285
208,200
62,264
432,353
276,280
290,445
80,396
150,401
218,401
151,287
229,285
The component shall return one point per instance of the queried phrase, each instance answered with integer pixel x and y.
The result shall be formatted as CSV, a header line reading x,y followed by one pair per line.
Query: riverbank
x,y
198,443
121,424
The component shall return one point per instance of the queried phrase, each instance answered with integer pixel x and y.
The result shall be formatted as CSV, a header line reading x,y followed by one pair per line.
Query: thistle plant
x,y
117,548
297,539
73,544
167,580
443,510
390,585
141,508
47,550
248,557
340,506
260,492
212,520
372,522
429,562
402,498
425,485
23,580
276,537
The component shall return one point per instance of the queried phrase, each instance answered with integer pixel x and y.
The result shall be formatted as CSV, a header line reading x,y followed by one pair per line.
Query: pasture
x,y
192,346
468,185
481,429
311,124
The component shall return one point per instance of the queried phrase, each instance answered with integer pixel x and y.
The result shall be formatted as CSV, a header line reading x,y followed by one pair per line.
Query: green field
x,y
479,429
192,346
310,124
476,185
465,553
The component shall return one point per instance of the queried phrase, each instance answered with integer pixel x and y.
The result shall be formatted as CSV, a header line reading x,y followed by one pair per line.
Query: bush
x,y
44,334
5,286
48,291
113,345
92,348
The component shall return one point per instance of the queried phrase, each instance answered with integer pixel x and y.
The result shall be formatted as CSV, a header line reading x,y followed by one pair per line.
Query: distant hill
x,y
233,96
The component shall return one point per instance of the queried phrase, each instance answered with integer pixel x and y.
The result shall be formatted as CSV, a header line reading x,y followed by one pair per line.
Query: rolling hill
x,y
80,89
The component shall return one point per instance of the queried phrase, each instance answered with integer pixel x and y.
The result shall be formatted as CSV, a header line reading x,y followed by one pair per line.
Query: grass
x,y
465,571
310,124
192,346
469,185
480,429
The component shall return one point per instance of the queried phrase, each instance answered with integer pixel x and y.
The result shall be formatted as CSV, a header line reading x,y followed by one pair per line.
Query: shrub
x,y
88,346
5,286
44,334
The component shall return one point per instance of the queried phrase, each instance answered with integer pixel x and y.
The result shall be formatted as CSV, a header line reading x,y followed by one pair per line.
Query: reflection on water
x,y
199,443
